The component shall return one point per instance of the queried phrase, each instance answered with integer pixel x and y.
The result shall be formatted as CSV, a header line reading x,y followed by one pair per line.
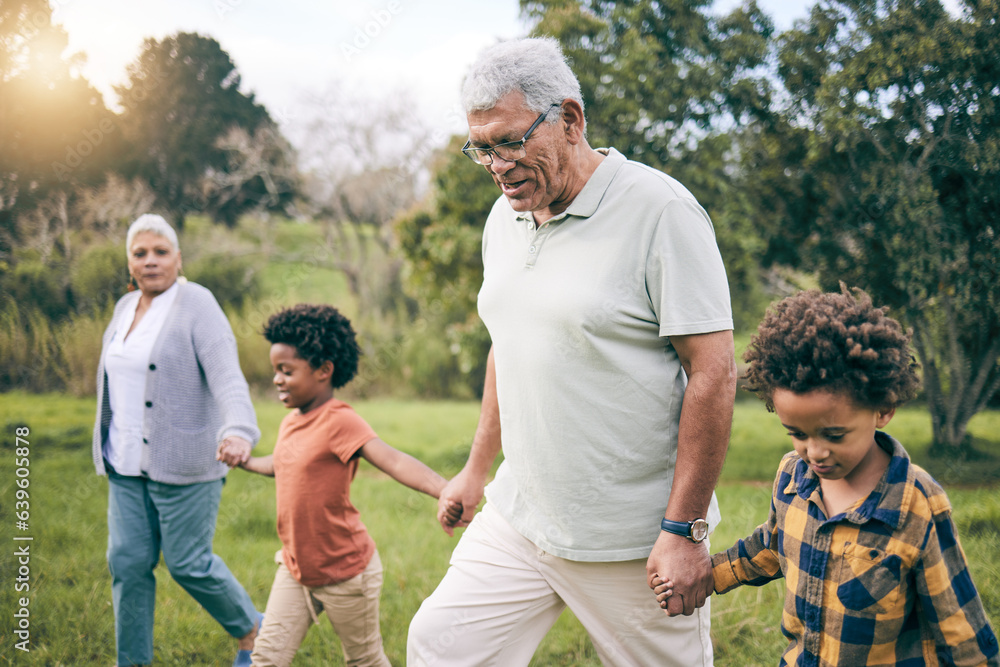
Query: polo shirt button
x,y
149,404
531,249
152,367
145,441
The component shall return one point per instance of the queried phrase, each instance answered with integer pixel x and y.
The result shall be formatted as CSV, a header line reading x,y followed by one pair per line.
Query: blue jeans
x,y
145,517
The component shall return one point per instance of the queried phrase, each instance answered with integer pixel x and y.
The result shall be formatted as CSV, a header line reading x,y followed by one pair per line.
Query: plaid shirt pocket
x,y
870,579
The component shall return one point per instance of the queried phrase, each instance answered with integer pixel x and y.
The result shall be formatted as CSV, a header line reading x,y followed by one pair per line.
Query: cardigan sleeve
x,y
215,347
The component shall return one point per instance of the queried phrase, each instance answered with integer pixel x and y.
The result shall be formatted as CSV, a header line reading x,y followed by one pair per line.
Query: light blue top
x,y
580,312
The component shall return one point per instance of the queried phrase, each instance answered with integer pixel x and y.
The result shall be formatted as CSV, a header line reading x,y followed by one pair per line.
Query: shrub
x,y
42,286
28,349
231,279
99,277
247,322
78,341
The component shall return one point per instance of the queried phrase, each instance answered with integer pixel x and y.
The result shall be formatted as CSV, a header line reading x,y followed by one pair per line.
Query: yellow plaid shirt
x,y
883,583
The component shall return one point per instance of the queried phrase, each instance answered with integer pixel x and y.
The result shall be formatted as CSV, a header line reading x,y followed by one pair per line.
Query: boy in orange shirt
x,y
328,561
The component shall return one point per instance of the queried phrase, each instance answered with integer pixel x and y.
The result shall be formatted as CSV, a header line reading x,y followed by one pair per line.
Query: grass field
x,y
70,595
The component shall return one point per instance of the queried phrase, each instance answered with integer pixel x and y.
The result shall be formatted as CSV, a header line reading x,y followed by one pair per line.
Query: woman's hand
x,y
233,451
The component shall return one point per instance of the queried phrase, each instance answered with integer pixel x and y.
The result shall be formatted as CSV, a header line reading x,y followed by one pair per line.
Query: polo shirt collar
x,y
589,198
887,502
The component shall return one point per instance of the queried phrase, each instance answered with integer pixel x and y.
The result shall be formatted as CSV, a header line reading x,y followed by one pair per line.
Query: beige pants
x,y
502,594
351,606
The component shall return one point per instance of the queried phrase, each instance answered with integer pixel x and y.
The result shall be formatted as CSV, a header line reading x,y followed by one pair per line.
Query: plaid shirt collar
x,y
888,502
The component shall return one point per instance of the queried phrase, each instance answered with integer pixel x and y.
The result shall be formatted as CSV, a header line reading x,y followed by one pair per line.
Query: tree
x,y
55,132
260,173
882,169
182,97
442,242
363,158
659,75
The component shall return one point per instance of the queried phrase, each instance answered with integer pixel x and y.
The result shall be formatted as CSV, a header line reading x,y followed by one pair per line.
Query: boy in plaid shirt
x,y
874,573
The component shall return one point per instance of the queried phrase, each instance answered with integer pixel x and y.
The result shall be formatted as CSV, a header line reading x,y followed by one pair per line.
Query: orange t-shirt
x,y
323,538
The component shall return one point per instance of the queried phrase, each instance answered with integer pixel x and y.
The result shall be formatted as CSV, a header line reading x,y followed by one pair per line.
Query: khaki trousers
x,y
351,606
502,594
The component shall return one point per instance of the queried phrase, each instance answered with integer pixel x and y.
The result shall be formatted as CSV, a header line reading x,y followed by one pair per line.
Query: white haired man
x,y
609,389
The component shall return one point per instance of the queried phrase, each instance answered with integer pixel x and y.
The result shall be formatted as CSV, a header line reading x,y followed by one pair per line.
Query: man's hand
x,y
233,451
688,567
464,491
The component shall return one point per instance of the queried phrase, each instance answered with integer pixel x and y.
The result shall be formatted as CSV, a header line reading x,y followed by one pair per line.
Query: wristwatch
x,y
696,530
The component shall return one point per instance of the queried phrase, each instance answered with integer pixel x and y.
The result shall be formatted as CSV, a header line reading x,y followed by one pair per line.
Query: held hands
x,y
662,590
452,514
458,501
233,451
679,572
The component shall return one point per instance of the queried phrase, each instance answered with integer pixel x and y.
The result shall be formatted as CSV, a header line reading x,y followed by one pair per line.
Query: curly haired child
x,y
864,539
328,561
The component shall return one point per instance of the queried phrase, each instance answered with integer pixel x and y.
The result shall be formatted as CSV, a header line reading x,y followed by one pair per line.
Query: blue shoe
x,y
243,657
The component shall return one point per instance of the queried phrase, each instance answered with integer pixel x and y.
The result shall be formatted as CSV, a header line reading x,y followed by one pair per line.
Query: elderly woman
x,y
169,391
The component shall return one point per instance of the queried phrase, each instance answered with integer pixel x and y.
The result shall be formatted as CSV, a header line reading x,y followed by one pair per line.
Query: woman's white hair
x,y
534,66
150,222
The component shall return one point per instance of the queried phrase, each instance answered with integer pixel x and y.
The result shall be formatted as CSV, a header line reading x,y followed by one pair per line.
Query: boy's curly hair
x,y
836,342
318,333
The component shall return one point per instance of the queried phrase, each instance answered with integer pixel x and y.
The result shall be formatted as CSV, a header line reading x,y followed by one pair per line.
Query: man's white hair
x,y
536,67
150,222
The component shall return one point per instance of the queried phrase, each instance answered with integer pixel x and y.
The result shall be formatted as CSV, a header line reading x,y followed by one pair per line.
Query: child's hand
x,y
453,513
662,590
262,465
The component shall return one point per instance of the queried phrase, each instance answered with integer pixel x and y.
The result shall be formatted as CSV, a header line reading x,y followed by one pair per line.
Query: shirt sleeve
x,y
347,432
752,560
949,598
685,277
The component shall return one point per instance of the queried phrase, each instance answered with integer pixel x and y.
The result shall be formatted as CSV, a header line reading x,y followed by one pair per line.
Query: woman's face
x,y
153,262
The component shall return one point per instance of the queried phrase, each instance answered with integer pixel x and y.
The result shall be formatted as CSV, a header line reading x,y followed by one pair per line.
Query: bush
x,y
37,354
42,286
427,360
78,341
247,322
99,277
231,279
28,349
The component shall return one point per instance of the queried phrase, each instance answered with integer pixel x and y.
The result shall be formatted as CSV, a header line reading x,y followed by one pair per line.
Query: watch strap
x,y
676,527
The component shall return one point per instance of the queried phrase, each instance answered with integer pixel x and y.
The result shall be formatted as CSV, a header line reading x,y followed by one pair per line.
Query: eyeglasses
x,y
510,151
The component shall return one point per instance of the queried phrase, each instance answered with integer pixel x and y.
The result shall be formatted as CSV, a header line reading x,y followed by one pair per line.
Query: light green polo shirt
x,y
580,312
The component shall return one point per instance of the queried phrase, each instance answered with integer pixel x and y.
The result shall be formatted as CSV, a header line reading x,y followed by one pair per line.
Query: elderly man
x,y
609,388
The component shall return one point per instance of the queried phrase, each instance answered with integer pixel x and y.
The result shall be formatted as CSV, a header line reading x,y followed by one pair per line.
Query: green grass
x,y
71,615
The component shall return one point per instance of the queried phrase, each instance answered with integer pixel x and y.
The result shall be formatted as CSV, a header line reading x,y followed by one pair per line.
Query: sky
x,y
288,51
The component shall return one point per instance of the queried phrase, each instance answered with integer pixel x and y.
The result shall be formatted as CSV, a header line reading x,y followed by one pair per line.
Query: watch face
x,y
699,530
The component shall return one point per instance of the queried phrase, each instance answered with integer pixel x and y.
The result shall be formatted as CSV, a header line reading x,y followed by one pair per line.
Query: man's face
x,y
539,179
